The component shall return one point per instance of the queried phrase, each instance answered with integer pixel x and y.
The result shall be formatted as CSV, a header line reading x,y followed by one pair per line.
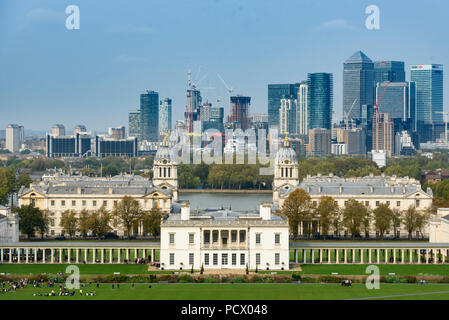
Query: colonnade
x,y
373,255
76,254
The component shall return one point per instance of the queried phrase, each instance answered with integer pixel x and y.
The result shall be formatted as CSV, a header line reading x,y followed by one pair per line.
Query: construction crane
x,y
346,114
230,89
376,103
445,114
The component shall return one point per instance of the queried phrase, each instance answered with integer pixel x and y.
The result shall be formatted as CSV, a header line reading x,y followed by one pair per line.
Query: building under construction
x,y
239,115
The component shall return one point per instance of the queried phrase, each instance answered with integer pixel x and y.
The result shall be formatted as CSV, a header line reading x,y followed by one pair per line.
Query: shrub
x,y
238,280
210,280
308,280
329,279
185,278
296,276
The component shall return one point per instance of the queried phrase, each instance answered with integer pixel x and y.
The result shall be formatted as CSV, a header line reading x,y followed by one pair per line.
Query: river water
x,y
237,201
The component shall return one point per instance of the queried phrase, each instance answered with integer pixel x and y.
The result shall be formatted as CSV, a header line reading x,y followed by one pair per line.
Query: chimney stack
x,y
185,210
265,211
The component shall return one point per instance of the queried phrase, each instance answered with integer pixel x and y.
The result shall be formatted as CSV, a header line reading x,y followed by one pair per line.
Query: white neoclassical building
x,y
224,239
9,226
58,192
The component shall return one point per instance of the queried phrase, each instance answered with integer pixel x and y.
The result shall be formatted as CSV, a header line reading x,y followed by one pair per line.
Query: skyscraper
x,y
117,133
193,105
239,112
287,116
399,100
275,93
79,128
165,115
302,124
358,85
383,133
429,91
58,130
134,124
320,98
14,137
149,115
392,71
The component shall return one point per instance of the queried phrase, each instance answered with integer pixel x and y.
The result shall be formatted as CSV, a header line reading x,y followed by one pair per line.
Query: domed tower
x,y
285,170
165,170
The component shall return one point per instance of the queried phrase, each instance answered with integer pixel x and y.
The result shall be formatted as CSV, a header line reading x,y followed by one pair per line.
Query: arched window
x,y
291,172
165,172
282,172
169,172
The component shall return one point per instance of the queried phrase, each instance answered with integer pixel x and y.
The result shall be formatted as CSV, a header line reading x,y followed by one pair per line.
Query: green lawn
x,y
321,269
385,269
240,292
84,268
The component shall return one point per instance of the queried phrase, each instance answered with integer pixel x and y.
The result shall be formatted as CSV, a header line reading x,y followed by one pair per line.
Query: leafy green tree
x,y
84,222
353,215
152,222
100,221
382,219
297,208
31,219
411,220
69,222
127,213
326,212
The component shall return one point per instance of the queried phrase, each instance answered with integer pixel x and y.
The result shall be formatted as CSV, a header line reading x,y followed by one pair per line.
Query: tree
x,y
423,219
326,211
411,220
382,219
127,213
353,215
84,222
152,222
396,220
366,221
31,219
297,208
100,222
69,222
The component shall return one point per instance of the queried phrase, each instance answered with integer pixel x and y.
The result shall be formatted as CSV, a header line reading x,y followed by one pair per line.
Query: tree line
x,y
354,218
127,214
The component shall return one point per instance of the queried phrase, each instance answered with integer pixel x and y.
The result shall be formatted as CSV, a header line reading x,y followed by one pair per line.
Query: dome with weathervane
x,y
286,152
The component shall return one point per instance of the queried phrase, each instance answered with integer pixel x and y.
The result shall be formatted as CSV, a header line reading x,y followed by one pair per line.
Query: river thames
x,y
237,201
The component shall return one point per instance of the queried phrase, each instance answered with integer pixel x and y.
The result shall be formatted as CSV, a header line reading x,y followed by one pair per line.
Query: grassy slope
x,y
240,292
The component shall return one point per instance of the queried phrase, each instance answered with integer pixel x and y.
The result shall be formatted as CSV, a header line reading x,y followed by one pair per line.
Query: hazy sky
x,y
94,75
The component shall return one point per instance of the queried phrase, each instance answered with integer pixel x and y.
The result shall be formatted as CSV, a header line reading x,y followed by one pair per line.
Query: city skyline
x,y
83,76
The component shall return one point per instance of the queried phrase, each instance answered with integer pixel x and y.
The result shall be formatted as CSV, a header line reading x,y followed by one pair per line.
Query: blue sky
x,y
94,75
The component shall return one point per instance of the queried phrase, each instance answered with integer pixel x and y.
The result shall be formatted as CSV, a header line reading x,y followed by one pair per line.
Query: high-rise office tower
x,y
287,116
399,100
80,128
392,71
302,124
358,85
14,137
149,115
239,112
193,105
134,124
165,115
58,130
383,133
320,97
429,91
319,142
117,133
212,117
275,93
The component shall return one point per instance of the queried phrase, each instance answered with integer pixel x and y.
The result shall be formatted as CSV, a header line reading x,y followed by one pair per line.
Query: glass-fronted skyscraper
x,y
320,98
134,124
276,92
358,85
399,100
165,115
392,71
429,91
149,115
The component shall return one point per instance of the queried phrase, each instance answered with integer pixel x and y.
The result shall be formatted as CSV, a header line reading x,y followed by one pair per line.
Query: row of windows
x,y
224,259
277,238
94,203
367,203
